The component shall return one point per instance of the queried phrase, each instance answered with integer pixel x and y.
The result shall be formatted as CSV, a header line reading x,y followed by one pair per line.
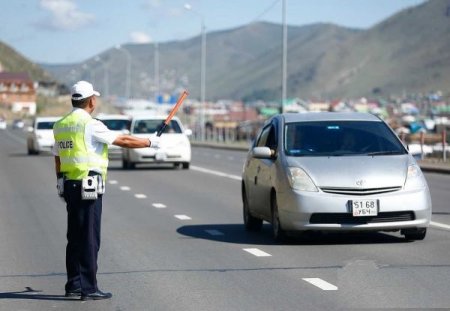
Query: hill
x,y
11,60
408,52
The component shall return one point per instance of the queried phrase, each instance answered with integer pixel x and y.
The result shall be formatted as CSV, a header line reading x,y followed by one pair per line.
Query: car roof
x,y
329,116
152,117
103,116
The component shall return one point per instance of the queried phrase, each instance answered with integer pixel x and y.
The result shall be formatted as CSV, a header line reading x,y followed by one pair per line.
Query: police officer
x,y
81,161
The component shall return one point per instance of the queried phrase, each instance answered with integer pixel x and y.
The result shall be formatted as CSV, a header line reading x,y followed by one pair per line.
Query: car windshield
x,y
117,125
340,138
151,126
45,125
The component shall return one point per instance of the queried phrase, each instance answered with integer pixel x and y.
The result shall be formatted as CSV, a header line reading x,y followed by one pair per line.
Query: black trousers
x,y
83,239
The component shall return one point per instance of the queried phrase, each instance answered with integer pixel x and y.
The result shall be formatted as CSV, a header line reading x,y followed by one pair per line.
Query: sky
x,y
71,31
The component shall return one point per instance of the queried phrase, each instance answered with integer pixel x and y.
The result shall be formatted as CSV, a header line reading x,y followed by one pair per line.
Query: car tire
x,y
251,223
415,234
279,234
127,165
186,165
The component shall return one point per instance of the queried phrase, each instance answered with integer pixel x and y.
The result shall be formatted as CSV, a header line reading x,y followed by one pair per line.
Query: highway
x,y
174,240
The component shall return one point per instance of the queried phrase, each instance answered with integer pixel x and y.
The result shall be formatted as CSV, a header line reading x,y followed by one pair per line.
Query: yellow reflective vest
x,y
76,159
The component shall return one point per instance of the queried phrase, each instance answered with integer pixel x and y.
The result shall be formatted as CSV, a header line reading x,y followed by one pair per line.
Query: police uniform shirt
x,y
96,134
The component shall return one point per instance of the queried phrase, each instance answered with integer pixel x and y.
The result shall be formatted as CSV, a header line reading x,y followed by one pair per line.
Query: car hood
x,y
354,171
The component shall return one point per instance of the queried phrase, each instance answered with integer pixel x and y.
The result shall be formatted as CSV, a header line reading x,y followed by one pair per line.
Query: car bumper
x,y
45,145
401,209
114,152
169,155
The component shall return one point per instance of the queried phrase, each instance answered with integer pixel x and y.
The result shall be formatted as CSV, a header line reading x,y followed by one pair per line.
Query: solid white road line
x,y
125,188
112,182
214,232
158,205
183,217
324,285
217,173
140,196
439,225
256,252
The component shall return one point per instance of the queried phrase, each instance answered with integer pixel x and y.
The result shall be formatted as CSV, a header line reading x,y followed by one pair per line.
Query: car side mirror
x,y
262,153
188,132
125,132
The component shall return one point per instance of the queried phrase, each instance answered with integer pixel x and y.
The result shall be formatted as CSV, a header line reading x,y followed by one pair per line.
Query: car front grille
x,y
359,191
349,219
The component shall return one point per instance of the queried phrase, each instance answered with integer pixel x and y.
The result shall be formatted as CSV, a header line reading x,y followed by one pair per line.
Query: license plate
x,y
361,208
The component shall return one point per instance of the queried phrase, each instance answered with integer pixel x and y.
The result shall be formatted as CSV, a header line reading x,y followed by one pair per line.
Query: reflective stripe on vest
x,y
76,159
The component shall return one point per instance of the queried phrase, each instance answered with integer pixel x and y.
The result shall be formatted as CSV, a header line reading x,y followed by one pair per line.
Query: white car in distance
x,y
40,135
175,147
118,123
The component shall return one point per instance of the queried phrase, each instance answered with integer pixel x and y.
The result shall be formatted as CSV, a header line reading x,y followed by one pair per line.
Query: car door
x,y
260,182
251,173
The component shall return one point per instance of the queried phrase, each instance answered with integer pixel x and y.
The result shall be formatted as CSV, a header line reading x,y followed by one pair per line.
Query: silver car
x,y
333,171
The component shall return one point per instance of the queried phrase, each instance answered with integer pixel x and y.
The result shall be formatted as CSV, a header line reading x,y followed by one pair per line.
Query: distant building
x,y
18,92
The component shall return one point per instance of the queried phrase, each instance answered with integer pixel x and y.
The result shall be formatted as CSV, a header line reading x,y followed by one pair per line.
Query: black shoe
x,y
73,293
98,295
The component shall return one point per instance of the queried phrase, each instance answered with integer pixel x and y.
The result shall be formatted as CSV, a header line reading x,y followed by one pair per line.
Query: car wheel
x,y
124,164
278,233
30,149
415,234
251,223
186,165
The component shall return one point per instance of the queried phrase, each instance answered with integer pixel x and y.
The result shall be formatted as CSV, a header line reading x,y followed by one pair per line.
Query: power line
x,y
270,7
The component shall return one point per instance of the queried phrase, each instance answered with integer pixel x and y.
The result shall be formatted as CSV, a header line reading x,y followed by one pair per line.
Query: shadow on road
x,y
29,293
235,233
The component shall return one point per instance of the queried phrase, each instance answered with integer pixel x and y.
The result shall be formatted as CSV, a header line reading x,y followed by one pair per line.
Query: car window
x,y
340,138
262,139
117,125
268,138
151,126
47,125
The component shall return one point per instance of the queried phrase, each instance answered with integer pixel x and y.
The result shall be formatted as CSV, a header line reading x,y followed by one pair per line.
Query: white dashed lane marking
x,y
158,205
257,252
183,217
217,173
125,188
113,182
140,196
323,285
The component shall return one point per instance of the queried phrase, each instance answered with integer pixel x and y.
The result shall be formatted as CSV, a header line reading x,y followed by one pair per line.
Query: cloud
x,y
64,15
140,37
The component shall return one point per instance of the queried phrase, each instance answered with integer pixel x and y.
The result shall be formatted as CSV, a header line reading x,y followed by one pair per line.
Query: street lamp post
x,y
202,71
105,75
128,81
284,61
156,60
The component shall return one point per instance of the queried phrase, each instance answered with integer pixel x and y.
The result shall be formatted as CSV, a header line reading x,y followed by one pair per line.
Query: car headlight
x,y
414,178
299,180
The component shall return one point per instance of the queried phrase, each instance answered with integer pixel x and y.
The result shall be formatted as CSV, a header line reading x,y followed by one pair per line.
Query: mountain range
x,y
407,53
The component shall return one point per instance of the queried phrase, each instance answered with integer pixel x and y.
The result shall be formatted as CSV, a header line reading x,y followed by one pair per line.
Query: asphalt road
x,y
174,240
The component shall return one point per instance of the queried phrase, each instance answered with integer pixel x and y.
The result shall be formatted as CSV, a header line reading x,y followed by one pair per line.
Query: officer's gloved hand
x,y
155,141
